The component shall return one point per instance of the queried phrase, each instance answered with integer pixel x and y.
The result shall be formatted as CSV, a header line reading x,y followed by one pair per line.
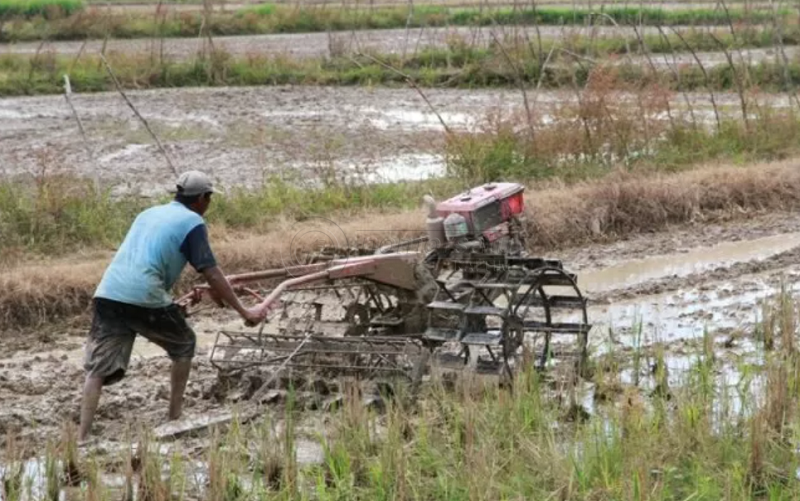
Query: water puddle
x,y
411,167
34,473
406,167
634,272
14,114
414,120
686,314
299,114
389,119
126,152
725,305
33,481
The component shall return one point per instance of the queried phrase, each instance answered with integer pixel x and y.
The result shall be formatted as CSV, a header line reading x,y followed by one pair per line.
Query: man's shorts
x,y
113,331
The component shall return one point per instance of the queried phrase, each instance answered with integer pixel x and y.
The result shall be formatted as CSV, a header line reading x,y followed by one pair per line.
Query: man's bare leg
x,y
91,397
179,377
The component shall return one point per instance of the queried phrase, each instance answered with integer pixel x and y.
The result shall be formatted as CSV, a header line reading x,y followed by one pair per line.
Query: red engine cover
x,y
471,203
478,197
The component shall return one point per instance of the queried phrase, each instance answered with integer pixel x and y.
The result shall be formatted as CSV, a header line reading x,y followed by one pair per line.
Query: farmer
x,y
134,295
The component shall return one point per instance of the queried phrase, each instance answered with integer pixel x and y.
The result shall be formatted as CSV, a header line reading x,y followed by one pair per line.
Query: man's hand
x,y
252,317
274,306
220,289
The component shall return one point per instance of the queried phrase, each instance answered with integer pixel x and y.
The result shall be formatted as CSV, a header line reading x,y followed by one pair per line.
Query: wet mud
x,y
243,136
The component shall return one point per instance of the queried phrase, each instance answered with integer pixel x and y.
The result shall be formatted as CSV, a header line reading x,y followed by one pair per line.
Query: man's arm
x,y
223,290
198,253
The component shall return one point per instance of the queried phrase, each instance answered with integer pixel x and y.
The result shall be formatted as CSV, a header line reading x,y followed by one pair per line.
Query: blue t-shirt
x,y
157,247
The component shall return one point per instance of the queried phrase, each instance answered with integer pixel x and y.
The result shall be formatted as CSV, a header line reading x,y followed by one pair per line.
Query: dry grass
x,y
623,204
616,206
41,293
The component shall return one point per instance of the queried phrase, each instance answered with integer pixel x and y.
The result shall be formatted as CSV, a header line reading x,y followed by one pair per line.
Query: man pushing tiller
x,y
134,297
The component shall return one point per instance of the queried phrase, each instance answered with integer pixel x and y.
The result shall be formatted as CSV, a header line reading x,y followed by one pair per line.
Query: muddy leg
x,y
91,397
180,375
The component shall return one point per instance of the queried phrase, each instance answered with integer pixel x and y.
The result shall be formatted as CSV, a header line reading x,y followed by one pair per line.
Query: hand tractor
x,y
471,298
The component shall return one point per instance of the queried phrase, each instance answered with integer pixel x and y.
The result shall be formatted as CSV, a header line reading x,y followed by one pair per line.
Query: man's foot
x,y
87,445
82,442
91,397
178,379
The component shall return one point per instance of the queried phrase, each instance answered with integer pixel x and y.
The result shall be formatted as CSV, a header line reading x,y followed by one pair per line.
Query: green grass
x,y
47,9
268,18
56,215
621,15
575,149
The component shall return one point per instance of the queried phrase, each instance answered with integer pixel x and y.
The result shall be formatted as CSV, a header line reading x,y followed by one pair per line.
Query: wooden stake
x,y
136,112
68,97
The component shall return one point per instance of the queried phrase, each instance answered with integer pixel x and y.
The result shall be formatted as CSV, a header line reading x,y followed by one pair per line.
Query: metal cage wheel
x,y
537,308
513,338
357,316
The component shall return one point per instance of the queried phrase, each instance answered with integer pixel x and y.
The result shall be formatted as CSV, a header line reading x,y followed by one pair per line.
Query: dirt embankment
x,y
610,209
315,45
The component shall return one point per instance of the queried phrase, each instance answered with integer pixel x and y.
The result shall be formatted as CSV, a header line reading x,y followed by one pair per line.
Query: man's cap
x,y
192,183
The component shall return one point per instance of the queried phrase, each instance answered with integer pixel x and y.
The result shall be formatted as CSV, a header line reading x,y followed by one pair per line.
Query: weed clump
x,y
46,9
613,124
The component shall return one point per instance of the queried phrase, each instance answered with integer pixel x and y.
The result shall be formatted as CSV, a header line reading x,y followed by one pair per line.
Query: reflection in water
x,y
630,273
683,314
34,474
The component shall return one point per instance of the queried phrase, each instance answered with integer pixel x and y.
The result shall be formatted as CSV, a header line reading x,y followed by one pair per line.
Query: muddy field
x,y
678,283
673,287
242,135
663,287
